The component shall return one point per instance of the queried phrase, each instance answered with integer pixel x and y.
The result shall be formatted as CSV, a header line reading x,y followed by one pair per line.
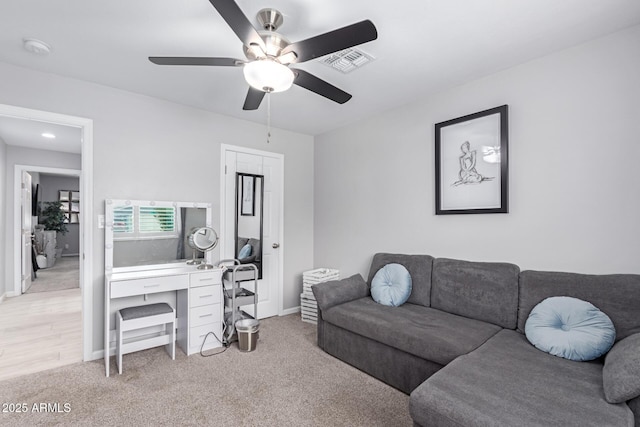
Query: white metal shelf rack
x,y
236,296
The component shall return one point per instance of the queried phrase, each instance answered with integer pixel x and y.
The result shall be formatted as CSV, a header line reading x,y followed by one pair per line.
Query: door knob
x,y
275,245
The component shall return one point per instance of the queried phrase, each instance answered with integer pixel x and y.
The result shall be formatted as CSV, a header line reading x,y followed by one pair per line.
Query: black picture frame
x,y
466,184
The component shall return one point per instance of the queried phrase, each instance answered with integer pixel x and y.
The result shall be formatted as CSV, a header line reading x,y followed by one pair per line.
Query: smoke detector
x,y
37,47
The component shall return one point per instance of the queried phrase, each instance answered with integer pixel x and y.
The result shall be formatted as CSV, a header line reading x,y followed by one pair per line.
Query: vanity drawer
x,y
206,278
204,295
125,288
206,314
197,334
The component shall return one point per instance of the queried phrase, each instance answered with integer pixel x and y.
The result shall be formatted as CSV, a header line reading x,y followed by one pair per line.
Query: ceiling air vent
x,y
347,60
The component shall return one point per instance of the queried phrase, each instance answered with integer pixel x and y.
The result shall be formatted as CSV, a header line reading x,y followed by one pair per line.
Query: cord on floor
x,y
225,345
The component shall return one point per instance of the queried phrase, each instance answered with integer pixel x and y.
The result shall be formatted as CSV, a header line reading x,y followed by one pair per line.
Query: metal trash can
x,y
247,334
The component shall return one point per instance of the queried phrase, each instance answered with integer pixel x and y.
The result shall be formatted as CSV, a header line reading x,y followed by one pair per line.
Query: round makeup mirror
x,y
203,239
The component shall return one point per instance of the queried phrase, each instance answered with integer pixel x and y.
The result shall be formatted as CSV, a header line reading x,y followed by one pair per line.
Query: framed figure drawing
x,y
472,163
248,195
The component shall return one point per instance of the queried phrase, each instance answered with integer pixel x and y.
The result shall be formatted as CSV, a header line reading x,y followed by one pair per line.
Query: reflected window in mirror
x,y
249,219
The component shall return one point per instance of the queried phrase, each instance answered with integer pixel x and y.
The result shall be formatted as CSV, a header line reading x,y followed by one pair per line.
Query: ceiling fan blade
x,y
253,99
231,13
319,86
185,60
333,41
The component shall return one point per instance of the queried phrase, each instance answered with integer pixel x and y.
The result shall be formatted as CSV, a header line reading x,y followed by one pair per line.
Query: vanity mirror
x,y
249,219
148,234
202,239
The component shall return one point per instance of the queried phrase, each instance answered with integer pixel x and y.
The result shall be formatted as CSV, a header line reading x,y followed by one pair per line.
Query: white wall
x,y
30,157
3,213
145,148
574,171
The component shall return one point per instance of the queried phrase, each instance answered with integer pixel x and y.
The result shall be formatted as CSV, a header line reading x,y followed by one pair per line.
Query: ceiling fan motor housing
x,y
274,43
270,20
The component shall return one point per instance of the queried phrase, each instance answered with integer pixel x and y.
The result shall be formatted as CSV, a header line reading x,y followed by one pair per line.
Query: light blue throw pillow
x,y
570,328
245,252
391,285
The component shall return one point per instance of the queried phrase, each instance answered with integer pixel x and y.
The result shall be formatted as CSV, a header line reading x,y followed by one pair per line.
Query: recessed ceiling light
x,y
48,135
36,46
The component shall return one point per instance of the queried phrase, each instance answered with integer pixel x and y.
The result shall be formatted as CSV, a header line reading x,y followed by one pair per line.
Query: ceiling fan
x,y
269,54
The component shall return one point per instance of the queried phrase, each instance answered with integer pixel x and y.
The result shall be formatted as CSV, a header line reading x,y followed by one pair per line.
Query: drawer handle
x,y
152,286
206,296
206,279
206,315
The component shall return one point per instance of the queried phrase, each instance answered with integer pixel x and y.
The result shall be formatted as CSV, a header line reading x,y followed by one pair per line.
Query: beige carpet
x,y
65,274
286,381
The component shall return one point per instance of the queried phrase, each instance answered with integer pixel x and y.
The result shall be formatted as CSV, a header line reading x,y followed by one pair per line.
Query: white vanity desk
x,y
197,293
198,302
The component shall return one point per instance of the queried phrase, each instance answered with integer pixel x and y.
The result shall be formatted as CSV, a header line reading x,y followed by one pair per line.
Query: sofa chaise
x,y
458,347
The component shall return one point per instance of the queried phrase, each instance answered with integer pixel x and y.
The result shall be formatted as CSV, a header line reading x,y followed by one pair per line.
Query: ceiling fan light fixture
x,y
268,75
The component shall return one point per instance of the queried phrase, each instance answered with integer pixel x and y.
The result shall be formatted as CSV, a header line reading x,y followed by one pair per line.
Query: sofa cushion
x,y
478,290
570,328
391,285
617,295
419,267
634,405
507,382
422,331
621,373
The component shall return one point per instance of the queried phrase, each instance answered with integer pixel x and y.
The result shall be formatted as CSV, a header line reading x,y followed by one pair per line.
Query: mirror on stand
x,y
202,239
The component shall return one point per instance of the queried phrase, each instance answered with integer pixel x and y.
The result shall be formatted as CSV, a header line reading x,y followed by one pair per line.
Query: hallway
x,y
65,274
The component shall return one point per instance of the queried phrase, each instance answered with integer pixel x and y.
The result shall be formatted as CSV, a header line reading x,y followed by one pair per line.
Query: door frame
x,y
17,217
223,214
22,221
86,207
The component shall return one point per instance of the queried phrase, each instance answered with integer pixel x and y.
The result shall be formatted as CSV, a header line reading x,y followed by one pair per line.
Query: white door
x,y
249,161
25,228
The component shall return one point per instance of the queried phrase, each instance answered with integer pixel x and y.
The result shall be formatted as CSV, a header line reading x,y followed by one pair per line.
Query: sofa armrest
x,y
335,292
621,372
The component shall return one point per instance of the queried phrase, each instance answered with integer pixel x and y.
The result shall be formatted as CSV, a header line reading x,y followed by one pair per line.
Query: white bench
x,y
144,316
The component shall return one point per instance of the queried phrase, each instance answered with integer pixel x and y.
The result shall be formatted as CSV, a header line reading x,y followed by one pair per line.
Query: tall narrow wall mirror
x,y
249,215
147,234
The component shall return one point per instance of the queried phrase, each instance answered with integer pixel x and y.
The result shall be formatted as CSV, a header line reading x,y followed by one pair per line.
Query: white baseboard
x,y
291,310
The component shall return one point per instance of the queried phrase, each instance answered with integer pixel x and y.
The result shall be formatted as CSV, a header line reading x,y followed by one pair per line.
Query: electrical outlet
x,y
66,246
100,221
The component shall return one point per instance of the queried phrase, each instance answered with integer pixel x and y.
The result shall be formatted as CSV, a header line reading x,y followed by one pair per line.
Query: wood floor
x,y
40,331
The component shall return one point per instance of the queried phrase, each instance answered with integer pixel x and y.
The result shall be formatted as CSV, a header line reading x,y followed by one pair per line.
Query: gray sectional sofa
x,y
458,344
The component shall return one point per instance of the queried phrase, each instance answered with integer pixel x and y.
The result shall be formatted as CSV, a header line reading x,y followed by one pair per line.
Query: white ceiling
x,y
28,133
423,47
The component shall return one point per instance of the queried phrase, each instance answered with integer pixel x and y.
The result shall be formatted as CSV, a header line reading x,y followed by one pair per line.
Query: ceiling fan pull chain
x,y
268,117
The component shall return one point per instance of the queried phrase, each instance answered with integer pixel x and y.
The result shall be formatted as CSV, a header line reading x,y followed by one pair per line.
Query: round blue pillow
x,y
570,328
391,285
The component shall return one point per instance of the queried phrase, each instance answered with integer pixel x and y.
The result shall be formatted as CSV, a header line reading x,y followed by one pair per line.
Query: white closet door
x,y
270,286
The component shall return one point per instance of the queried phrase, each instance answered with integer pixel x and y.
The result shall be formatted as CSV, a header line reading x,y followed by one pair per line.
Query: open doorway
x,y
54,259
66,255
